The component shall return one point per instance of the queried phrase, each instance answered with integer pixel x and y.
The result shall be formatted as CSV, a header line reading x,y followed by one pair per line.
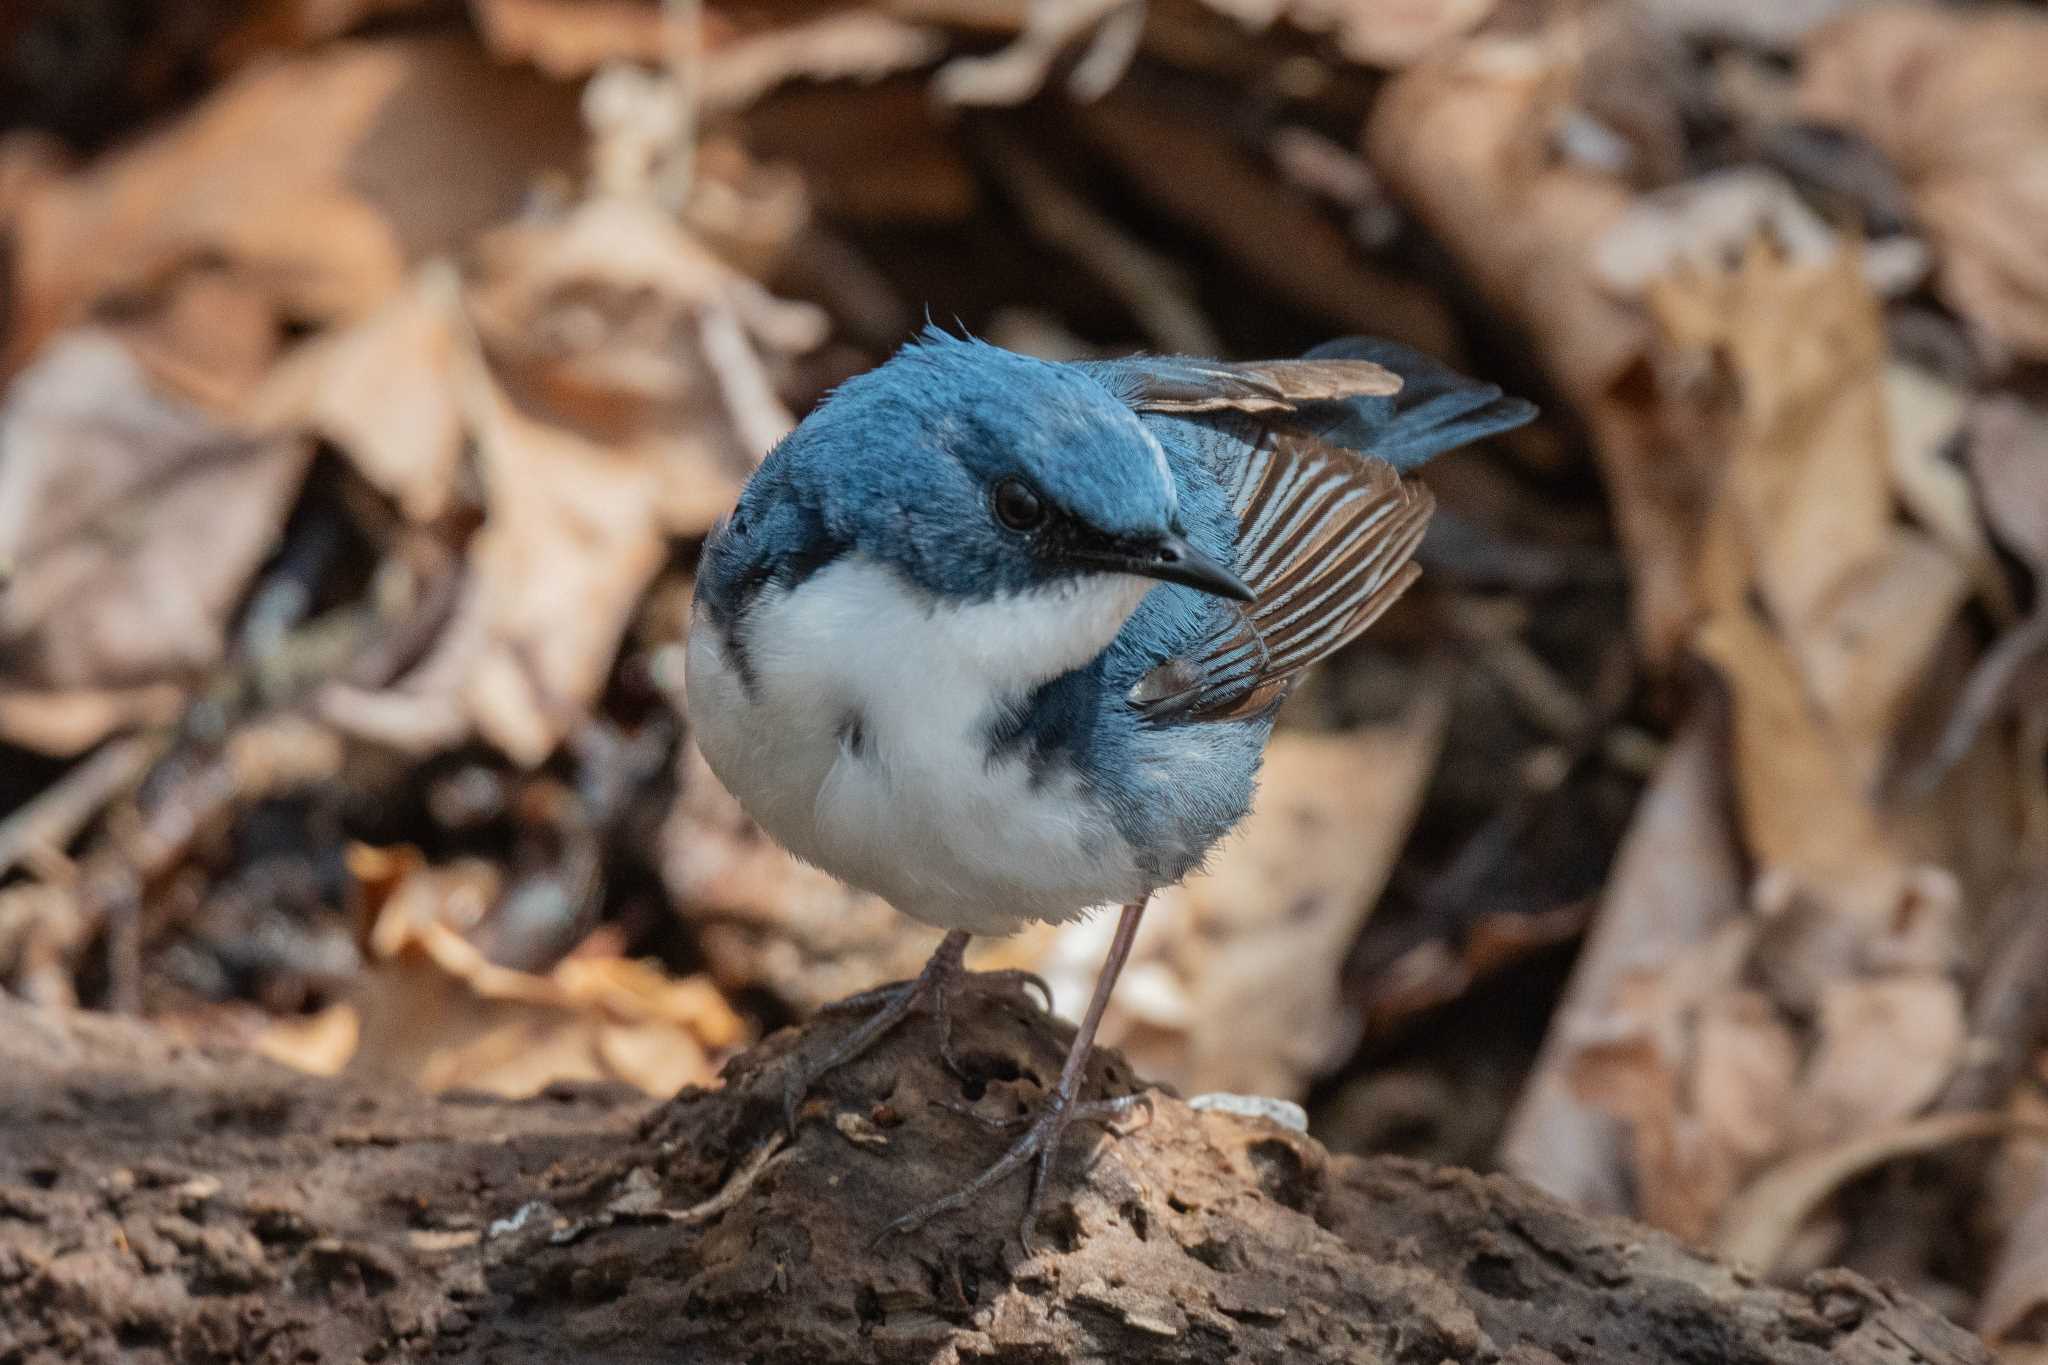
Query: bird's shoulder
x,y
778,533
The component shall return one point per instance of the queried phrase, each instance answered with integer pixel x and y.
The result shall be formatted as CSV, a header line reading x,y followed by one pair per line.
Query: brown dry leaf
x,y
1885,1047
383,391
1807,479
302,23
1467,140
2015,1302
570,538
1234,983
1855,604
1701,1072
623,321
617,392
319,1044
436,1013
2008,453
1757,1227
570,38
1803,811
1677,881
320,175
131,524
1954,99
843,45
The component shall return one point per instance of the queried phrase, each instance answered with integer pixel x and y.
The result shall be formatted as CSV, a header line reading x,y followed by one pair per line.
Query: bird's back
x,y
1169,723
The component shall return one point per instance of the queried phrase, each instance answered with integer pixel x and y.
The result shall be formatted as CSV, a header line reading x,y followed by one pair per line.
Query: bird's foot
x,y
887,1006
1038,1147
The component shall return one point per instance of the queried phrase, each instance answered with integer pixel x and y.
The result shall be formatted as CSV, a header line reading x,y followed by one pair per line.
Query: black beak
x,y
1173,560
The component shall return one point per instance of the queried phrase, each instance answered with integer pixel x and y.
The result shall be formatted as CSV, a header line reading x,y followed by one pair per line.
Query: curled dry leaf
x,y
1465,140
570,38
433,1011
307,172
383,391
1756,1228
131,523
1854,604
1677,881
2014,1308
1387,33
1233,985
1700,1070
616,393
570,538
1954,99
844,45
1885,1047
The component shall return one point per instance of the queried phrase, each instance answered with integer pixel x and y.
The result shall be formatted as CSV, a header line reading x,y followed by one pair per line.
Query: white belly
x,y
911,807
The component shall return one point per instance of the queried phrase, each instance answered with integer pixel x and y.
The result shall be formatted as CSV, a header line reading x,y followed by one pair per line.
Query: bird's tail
x,y
1436,410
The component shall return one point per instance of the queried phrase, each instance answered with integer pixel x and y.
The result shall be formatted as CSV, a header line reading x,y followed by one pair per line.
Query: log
x,y
164,1203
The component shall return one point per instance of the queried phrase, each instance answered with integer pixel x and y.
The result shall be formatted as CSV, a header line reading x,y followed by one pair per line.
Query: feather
x,y
1325,539
1179,385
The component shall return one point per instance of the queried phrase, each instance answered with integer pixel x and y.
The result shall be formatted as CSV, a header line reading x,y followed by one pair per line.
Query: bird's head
x,y
979,474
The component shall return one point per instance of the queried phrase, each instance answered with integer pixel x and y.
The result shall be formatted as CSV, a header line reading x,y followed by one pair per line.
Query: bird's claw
x,y
1103,1112
886,1007
1039,1146
1017,976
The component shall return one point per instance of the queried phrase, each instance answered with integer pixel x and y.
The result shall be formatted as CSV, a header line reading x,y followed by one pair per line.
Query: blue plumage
x,y
1001,639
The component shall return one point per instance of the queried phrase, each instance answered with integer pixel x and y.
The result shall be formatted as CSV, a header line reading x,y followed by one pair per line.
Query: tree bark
x,y
160,1203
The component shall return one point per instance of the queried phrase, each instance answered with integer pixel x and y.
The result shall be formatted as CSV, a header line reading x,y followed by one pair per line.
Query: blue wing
x,y
1309,455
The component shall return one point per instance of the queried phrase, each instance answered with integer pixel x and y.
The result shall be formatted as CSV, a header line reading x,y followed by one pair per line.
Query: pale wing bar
x,y
1182,386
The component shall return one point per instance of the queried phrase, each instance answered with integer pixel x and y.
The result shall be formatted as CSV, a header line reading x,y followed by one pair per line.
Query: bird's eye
x,y
1017,507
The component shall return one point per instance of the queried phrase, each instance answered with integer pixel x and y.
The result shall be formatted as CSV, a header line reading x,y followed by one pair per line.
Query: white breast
x,y
914,809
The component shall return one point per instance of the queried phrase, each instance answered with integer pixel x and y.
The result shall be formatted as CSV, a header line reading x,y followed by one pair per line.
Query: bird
x,y
1001,639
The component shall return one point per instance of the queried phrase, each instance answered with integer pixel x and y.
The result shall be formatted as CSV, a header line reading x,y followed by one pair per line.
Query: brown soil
x,y
160,1203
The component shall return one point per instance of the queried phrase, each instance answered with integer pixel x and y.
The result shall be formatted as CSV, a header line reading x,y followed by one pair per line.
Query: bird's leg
x,y
888,1006
1040,1144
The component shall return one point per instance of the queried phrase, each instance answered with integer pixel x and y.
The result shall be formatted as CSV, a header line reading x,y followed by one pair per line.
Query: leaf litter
x,y
364,412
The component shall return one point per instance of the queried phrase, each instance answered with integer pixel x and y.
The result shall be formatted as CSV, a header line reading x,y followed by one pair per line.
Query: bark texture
x,y
164,1204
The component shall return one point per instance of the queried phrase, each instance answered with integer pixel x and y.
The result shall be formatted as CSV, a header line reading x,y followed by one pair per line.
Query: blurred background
x,y
373,368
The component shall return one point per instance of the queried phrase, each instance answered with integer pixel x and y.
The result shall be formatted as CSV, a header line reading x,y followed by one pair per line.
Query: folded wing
x,y
1311,452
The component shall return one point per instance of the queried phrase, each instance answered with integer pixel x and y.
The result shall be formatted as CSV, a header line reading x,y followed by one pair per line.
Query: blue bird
x,y
1000,639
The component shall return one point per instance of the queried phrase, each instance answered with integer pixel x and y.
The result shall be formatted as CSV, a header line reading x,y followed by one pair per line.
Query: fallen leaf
x,y
570,38
132,523
614,383
436,1013
1759,1224
1677,881
1387,33
1954,99
1884,1048
1465,139
845,45
383,391
2014,1306
314,174
319,1044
